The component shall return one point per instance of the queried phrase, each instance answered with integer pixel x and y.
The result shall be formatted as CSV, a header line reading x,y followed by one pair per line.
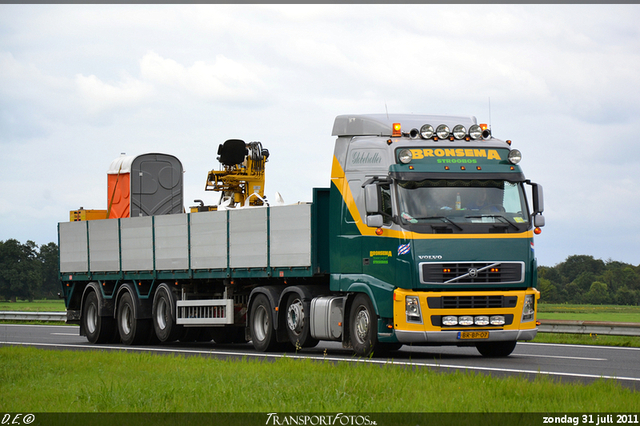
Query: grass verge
x,y
35,380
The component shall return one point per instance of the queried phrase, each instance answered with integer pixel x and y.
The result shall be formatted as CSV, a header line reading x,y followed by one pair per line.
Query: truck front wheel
x,y
363,326
496,349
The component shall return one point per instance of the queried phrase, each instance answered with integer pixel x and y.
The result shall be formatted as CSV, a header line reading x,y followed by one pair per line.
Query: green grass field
x,y
35,380
609,313
35,306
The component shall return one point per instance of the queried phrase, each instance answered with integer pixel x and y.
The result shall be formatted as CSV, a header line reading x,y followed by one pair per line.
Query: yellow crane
x,y
241,178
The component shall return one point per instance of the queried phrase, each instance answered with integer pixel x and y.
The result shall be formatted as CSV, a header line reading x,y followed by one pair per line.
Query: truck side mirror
x,y
538,220
375,221
371,199
538,198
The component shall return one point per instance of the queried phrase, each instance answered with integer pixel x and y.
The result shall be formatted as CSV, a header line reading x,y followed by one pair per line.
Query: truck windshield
x,y
462,205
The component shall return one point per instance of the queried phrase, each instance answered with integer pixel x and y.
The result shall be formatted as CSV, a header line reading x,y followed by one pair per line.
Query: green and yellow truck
x,y
424,237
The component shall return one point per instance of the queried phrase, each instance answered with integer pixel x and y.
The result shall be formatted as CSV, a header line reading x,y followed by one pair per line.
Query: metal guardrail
x,y
546,326
33,316
590,327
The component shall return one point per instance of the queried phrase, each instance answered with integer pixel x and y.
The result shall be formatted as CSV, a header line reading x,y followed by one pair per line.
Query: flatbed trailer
x,y
398,250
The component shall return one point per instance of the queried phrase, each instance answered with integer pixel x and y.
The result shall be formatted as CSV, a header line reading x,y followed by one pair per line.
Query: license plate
x,y
473,335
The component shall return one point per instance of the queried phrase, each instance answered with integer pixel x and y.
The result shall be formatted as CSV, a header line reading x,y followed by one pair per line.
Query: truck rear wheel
x,y
97,329
132,331
363,326
261,328
496,349
298,323
164,323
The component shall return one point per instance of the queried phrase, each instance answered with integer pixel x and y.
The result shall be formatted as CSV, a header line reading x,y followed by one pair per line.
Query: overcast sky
x,y
80,84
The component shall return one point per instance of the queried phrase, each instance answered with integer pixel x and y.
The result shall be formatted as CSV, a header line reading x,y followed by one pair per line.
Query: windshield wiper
x,y
498,216
444,219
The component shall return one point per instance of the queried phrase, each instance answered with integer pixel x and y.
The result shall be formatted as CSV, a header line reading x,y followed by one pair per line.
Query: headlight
x,y
413,308
405,156
465,320
497,320
450,320
482,320
459,132
515,156
475,132
529,308
443,131
427,131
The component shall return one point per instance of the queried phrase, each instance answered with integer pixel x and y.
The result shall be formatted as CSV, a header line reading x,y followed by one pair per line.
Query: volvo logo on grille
x,y
473,272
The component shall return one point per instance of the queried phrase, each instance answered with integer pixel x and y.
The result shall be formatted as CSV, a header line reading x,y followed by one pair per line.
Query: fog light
x,y
481,320
443,131
515,156
497,320
405,156
427,131
459,132
450,320
475,132
465,320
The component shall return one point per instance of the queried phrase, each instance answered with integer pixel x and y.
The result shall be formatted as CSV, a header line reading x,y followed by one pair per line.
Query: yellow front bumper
x,y
429,328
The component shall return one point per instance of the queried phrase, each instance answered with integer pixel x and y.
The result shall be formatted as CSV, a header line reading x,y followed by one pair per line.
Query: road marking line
x,y
561,357
326,358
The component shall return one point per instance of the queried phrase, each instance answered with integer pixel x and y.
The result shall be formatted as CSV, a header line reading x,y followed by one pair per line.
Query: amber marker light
x,y
446,167
397,132
537,231
379,231
479,168
463,168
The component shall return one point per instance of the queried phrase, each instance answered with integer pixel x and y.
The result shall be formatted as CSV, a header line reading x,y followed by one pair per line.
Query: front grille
x,y
472,302
472,273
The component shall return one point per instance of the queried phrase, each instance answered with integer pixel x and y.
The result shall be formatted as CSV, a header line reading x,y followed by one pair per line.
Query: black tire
x,y
132,331
363,326
298,322
163,314
97,329
261,318
496,349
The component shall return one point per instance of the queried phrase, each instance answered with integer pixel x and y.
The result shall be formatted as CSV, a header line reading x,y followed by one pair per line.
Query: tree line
x,y
30,272
583,279
27,271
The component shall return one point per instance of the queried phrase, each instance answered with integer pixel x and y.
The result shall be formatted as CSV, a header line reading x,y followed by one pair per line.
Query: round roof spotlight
x,y
413,134
459,132
475,132
515,156
427,131
405,156
443,131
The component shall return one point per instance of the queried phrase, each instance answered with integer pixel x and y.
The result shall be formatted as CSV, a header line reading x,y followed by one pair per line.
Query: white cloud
x,y
224,79
100,96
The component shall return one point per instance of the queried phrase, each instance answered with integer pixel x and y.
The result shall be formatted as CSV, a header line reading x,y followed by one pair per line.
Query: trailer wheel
x,y
298,323
132,331
363,326
496,349
261,325
164,323
97,329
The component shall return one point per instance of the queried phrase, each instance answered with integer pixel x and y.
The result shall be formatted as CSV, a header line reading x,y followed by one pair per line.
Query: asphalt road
x,y
563,362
